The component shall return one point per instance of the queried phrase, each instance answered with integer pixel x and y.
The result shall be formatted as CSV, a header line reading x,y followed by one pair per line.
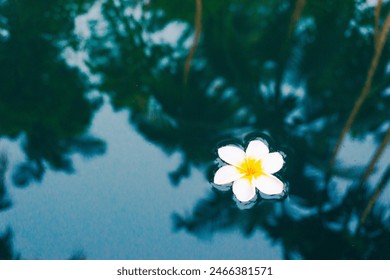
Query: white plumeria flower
x,y
249,170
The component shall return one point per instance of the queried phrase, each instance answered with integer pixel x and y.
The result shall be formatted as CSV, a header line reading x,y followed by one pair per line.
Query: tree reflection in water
x,y
42,100
289,69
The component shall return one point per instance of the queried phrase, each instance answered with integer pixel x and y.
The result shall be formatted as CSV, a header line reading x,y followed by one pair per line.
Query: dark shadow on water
x,y
7,252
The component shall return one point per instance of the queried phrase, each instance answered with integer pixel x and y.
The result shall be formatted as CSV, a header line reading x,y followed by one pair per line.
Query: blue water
x,y
119,206
107,140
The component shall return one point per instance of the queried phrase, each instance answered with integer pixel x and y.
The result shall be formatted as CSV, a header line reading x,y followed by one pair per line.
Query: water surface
x,y
111,111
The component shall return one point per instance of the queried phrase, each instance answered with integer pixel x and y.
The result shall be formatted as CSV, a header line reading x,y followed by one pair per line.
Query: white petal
x,y
243,190
226,174
256,149
231,154
269,184
272,162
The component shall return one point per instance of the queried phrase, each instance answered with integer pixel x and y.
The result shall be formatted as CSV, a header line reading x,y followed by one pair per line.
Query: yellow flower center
x,y
251,168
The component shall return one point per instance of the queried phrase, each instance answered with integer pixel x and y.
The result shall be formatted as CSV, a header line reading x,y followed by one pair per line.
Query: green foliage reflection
x,y
291,69
42,99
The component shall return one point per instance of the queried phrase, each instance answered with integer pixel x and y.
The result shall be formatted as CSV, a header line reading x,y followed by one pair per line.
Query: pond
x,y
112,113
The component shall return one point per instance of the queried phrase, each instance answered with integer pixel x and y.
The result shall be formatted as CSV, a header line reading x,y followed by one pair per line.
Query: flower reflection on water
x,y
250,170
